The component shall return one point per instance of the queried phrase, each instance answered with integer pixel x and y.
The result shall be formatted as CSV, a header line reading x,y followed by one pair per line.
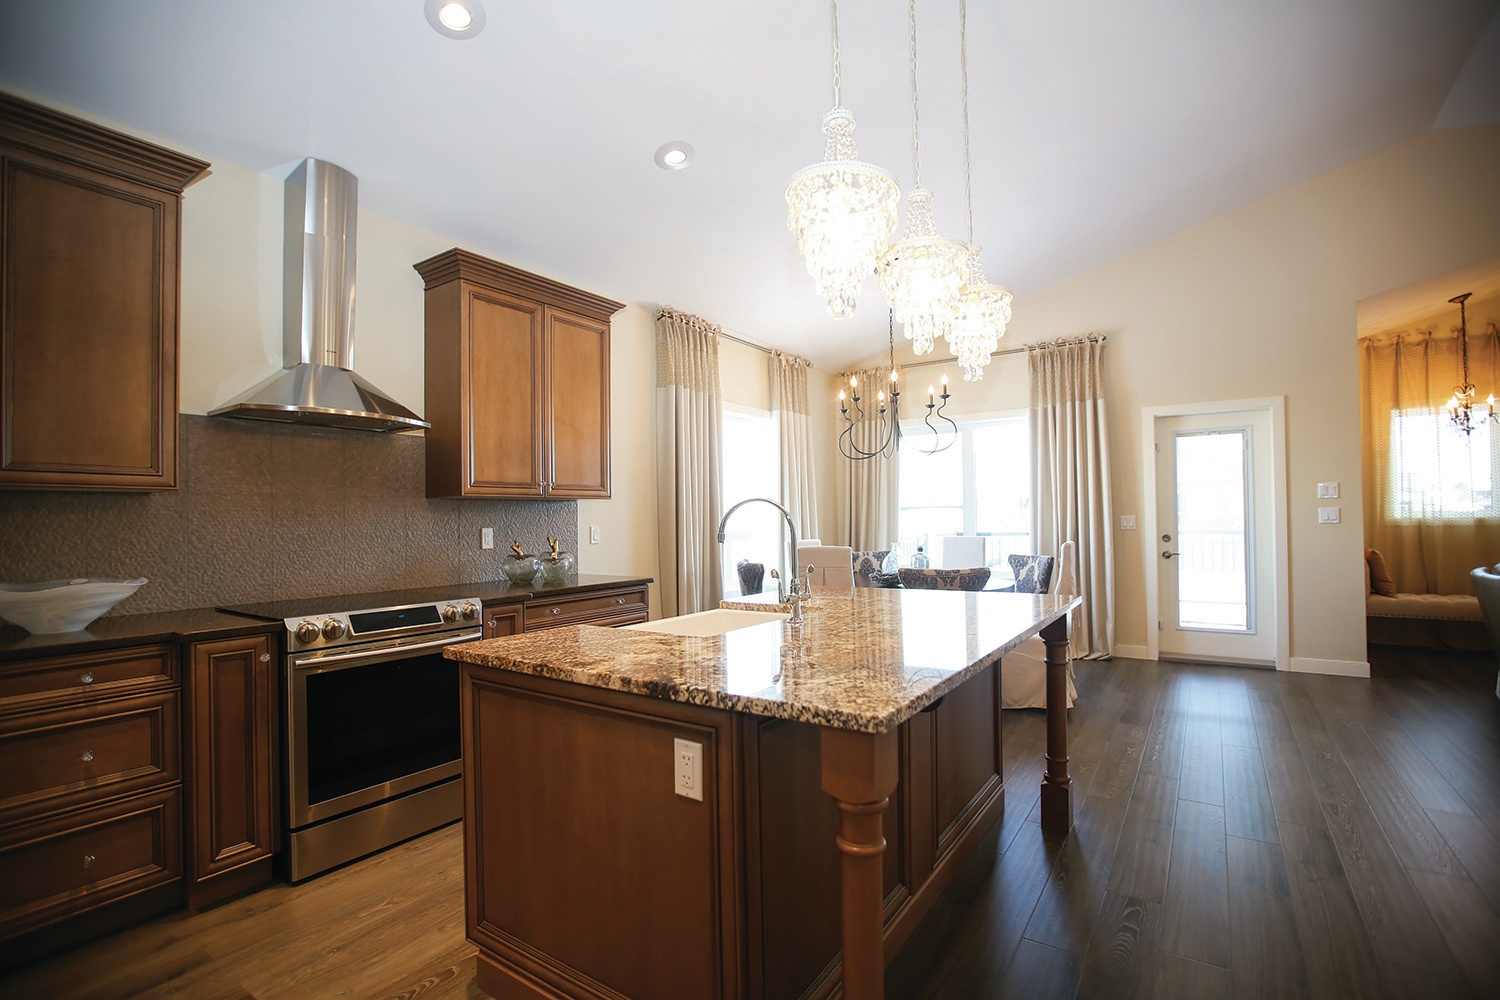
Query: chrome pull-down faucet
x,y
784,591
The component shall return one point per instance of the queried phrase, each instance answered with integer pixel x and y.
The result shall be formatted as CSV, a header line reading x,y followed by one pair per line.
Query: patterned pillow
x,y
1032,573
869,567
945,579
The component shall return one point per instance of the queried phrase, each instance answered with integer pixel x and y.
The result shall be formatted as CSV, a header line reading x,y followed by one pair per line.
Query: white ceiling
x,y
1099,126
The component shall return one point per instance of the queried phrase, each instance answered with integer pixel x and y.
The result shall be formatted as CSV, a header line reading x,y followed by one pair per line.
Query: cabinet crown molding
x,y
55,134
464,265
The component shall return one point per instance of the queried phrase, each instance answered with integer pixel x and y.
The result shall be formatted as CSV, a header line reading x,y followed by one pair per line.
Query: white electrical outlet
x,y
486,538
593,534
1328,491
1127,522
687,768
1328,515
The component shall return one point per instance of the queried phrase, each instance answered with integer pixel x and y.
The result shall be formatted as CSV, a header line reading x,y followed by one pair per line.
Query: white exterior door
x,y
1215,551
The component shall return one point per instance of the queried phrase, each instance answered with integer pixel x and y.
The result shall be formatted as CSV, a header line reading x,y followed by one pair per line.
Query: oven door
x,y
365,725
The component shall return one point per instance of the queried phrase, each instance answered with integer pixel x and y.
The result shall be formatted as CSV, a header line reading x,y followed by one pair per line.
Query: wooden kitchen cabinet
x,y
90,796
621,606
88,322
230,694
502,619
517,380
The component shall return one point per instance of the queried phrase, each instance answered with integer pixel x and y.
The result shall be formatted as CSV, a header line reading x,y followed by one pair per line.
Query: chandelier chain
x,y
836,68
916,141
963,73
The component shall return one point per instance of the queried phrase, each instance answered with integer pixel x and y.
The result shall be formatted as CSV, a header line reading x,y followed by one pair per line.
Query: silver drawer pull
x,y
86,679
88,755
556,610
88,860
619,600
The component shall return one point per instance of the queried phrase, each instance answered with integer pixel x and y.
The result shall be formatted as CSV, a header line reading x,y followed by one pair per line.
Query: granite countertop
x,y
195,624
865,662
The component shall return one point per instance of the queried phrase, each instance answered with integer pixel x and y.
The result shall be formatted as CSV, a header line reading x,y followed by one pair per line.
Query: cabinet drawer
x,y
614,607
79,860
29,683
70,756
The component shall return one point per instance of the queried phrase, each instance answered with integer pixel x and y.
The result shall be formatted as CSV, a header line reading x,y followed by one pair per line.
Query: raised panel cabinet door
x,y
503,385
502,619
577,405
230,698
88,322
966,756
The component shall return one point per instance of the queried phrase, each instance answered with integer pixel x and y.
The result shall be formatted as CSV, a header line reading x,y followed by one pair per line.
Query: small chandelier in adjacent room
x,y
842,210
885,434
1462,406
921,274
984,308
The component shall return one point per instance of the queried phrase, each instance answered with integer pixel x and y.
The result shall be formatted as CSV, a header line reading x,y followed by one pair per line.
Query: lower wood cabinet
x,y
502,619
622,606
230,767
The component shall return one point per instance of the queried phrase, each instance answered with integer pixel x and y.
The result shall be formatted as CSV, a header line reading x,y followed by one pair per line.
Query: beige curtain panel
x,y
1070,478
689,421
794,426
869,486
1429,505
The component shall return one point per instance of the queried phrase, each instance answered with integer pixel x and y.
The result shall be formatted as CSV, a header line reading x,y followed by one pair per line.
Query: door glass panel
x,y
1211,542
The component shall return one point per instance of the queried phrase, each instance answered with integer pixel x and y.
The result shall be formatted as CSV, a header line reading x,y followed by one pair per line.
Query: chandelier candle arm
x,y
1462,404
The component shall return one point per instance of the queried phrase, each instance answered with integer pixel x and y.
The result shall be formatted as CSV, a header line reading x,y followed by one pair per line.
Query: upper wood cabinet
x,y
517,382
88,321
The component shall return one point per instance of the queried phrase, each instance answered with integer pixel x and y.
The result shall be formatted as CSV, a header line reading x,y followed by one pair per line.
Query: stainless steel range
x,y
371,721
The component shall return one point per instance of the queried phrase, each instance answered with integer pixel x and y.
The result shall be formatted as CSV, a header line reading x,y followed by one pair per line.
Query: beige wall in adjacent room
x,y
1261,302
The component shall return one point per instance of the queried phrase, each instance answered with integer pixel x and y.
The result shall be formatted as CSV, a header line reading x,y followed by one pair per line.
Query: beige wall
x,y
1261,302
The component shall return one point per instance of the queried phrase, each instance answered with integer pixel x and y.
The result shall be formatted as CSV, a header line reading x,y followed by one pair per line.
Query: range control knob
x,y
333,629
470,612
450,613
307,631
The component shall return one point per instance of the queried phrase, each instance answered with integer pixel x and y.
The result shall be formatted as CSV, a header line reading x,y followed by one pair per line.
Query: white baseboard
x,y
1338,668
1134,652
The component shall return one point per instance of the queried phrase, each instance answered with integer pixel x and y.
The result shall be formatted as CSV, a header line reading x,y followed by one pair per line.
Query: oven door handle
x,y
384,651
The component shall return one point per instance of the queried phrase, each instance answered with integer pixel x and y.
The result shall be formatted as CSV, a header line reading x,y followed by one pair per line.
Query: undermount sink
x,y
705,623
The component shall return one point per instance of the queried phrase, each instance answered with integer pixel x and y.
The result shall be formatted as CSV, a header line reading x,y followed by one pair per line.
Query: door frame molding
x,y
1280,617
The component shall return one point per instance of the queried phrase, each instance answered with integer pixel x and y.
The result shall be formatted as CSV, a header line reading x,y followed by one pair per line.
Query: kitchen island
x,y
651,814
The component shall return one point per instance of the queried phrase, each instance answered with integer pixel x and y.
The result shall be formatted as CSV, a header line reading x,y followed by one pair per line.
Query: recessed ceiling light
x,y
455,18
674,155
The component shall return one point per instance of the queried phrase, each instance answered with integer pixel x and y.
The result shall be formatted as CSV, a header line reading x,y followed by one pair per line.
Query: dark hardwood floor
x,y
1240,833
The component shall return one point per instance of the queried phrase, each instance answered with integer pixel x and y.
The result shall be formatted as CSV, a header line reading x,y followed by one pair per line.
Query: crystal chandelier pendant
x,y
843,212
983,313
921,275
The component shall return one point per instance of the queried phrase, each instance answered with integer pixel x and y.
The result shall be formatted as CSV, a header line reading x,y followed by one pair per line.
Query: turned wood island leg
x,y
1057,787
859,771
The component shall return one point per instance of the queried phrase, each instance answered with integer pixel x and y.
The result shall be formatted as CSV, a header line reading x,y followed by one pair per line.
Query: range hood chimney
x,y
318,386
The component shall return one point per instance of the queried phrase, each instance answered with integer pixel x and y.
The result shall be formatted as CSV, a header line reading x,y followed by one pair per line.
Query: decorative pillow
x,y
870,566
1381,581
1032,573
945,579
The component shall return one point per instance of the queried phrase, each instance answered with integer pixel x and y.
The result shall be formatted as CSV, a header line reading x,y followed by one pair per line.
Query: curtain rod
x,y
1100,338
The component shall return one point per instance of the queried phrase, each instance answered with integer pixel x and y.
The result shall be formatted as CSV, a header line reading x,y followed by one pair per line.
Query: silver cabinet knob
x,y
87,678
265,657
557,611
469,611
333,629
308,631
87,756
88,860
619,600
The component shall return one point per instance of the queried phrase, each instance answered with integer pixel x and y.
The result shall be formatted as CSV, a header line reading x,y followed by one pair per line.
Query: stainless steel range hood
x,y
318,386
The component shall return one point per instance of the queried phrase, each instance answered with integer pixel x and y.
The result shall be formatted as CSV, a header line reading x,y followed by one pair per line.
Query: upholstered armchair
x,y
1487,586
1023,671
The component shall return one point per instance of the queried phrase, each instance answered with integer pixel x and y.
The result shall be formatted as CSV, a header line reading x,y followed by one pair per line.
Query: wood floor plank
x,y
1427,785
1202,765
1183,979
1395,917
1120,961
1039,971
1265,707
1163,751
1248,811
1469,925
1332,779
1236,716
1293,798
1335,945
1115,775
1069,905
1267,959
1195,914
1478,850
1145,847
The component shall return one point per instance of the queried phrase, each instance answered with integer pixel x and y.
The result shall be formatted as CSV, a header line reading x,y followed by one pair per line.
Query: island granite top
x,y
866,662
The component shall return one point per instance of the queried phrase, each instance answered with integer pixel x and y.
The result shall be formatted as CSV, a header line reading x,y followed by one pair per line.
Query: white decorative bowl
x,y
62,605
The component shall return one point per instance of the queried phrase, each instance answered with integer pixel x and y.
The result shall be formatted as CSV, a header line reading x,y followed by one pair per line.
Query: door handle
x,y
1168,555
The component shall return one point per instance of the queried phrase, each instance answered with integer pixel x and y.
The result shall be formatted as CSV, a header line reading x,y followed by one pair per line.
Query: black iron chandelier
x,y
886,419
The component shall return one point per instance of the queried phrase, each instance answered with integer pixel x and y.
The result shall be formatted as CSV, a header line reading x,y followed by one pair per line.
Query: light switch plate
x,y
1328,515
486,538
593,534
1127,522
1328,491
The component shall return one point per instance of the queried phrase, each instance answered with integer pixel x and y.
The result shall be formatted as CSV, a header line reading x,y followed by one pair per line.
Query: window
x,y
751,467
1436,472
980,486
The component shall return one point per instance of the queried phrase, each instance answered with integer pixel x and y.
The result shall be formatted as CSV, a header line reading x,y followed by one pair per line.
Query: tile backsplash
x,y
266,512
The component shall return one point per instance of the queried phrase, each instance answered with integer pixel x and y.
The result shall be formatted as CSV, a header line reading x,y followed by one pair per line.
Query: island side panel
x,y
586,874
